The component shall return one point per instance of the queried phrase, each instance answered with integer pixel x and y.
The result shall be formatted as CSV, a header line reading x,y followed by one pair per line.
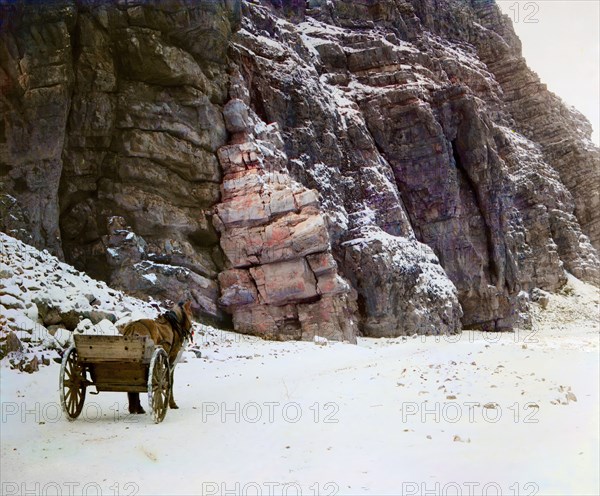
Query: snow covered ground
x,y
479,413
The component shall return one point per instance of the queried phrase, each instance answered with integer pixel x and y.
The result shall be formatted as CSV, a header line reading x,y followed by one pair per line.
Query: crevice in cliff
x,y
256,100
416,229
471,188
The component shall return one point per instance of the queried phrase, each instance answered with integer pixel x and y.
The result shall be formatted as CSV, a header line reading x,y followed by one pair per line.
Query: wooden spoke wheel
x,y
72,384
159,384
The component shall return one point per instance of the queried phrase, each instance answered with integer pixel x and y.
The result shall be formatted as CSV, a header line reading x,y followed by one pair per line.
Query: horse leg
x,y
134,403
172,403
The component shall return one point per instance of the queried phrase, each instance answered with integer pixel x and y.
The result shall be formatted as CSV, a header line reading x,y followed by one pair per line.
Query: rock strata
x,y
281,279
113,109
398,114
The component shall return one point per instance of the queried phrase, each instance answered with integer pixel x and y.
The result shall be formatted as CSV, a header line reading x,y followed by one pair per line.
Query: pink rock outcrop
x,y
281,279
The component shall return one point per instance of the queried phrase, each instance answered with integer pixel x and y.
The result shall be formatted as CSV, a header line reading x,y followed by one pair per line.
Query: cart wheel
x,y
159,384
72,384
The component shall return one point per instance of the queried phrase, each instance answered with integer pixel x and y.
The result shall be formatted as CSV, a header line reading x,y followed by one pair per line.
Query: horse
x,y
172,330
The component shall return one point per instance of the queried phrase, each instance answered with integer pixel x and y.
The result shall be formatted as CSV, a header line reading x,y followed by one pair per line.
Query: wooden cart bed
x,y
115,363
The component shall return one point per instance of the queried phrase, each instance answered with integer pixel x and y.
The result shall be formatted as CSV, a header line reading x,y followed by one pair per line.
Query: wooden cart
x,y
115,363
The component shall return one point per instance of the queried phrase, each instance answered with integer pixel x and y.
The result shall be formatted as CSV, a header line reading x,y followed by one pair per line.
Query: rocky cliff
x,y
380,167
114,109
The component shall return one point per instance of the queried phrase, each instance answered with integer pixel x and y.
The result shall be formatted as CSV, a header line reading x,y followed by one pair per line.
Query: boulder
x,y
285,282
236,116
12,343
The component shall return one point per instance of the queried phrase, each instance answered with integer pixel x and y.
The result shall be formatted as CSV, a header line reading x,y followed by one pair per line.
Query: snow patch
x,y
151,277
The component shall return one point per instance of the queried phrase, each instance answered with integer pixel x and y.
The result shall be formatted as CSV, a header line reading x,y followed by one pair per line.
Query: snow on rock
x,y
414,285
43,300
413,121
170,270
151,277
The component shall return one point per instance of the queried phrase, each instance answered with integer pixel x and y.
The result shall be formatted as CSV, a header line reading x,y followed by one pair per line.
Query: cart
x,y
115,363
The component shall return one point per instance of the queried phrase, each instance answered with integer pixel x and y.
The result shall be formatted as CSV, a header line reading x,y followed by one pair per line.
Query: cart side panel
x,y
122,349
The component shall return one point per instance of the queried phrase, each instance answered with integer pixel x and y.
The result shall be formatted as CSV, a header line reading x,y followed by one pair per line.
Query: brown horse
x,y
171,330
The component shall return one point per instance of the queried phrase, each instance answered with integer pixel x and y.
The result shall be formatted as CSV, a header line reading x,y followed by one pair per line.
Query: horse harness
x,y
171,317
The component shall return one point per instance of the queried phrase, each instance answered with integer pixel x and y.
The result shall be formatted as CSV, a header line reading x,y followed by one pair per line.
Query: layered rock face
x,y
281,281
393,110
36,75
562,132
384,167
113,109
559,149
